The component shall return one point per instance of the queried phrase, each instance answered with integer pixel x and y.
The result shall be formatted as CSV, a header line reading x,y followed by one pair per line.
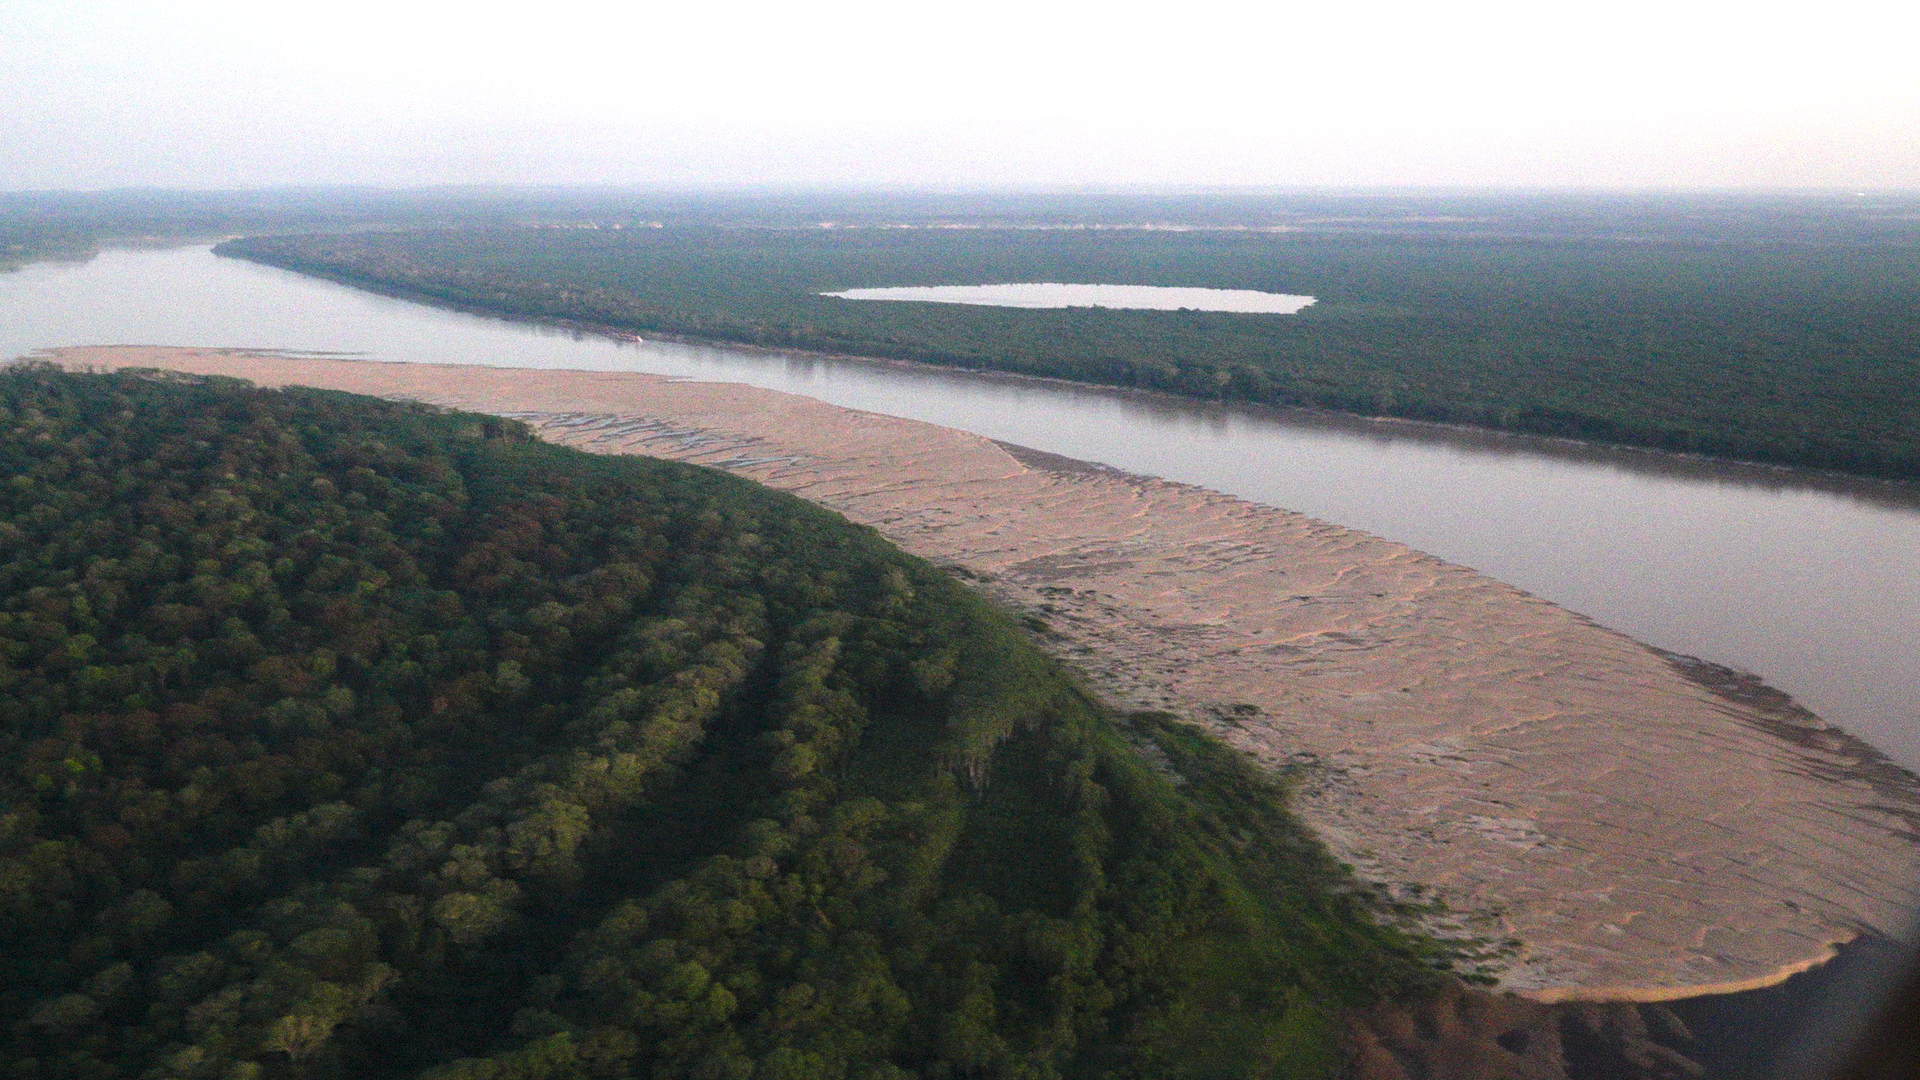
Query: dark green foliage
x,y
1803,350
345,738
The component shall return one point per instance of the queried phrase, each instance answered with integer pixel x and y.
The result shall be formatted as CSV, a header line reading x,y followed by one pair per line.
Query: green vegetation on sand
x,y
345,738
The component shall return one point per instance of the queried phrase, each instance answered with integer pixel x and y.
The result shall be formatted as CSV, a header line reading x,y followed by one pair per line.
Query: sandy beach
x,y
1646,827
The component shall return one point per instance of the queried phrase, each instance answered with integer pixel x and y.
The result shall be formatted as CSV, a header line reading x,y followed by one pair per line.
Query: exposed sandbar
x,y
1647,829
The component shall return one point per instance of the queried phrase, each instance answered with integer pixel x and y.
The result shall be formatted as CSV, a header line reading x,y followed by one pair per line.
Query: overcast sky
x,y
1624,94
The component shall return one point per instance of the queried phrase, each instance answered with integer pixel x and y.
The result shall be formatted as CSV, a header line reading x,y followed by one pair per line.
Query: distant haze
x,y
1632,94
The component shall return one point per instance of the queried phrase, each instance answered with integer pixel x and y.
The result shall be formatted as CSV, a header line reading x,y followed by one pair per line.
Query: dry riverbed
x,y
1646,826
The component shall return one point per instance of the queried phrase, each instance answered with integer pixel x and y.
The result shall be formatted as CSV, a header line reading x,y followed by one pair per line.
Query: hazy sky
x,y
216,94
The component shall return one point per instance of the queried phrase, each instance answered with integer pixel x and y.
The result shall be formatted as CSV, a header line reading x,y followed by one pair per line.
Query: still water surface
x,y
1053,294
1811,581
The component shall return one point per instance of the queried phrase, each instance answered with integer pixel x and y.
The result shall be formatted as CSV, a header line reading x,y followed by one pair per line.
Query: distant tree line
x,y
1803,352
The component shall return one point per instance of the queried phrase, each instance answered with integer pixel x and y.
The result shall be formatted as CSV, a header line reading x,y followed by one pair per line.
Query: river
x,y
1808,580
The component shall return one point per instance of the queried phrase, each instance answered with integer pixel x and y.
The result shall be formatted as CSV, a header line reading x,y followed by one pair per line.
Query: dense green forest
x,y
347,738
1774,328
1793,343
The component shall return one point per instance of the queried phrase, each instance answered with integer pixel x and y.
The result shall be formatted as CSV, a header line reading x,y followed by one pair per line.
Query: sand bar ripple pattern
x,y
1647,826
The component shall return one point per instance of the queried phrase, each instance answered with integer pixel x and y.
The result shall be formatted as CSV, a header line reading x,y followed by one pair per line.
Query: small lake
x,y
1053,294
1811,581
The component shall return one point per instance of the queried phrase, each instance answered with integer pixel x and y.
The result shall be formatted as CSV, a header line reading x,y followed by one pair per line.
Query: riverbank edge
x,y
1746,694
1722,681
1805,1011
1895,490
1668,995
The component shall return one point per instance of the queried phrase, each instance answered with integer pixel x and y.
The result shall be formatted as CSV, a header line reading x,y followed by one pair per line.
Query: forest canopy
x,y
350,738
1795,343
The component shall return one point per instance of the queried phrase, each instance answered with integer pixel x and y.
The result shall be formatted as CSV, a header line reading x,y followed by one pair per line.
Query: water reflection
x,y
1811,580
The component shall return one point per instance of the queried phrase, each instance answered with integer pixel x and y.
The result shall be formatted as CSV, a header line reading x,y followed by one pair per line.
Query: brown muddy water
x,y
1810,581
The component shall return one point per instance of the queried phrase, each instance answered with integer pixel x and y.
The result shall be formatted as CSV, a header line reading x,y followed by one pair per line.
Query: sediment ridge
x,y
1644,826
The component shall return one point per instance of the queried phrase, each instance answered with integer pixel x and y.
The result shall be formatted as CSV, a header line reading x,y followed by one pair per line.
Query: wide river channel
x,y
1811,581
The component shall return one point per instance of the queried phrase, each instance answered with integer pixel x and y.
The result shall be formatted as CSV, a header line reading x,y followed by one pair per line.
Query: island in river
x,y
1642,826
1797,348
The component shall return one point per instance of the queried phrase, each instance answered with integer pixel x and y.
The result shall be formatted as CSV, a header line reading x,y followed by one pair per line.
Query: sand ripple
x,y
1646,826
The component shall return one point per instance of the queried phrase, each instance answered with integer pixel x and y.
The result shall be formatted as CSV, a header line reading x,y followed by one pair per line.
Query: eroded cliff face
x,y
1636,831
1851,1019
1468,1034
